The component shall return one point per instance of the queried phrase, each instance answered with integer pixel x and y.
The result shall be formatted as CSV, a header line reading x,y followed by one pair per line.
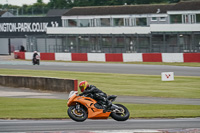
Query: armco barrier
x,y
132,57
79,57
172,57
29,55
19,55
152,57
39,83
47,56
191,57
63,56
96,57
115,57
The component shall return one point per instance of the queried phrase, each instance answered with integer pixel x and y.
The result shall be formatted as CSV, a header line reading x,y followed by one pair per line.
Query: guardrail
x,y
114,57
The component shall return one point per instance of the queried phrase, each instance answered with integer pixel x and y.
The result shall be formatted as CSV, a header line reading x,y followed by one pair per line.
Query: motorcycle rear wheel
x,y
121,116
77,116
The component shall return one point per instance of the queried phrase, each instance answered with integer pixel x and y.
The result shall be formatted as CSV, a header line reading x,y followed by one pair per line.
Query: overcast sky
x,y
20,2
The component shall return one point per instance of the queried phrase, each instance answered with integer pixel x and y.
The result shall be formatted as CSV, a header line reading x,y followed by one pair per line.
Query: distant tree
x,y
59,4
39,7
39,1
143,1
174,1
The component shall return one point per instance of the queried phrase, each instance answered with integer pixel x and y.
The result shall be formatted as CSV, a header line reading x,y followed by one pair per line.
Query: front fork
x,y
117,109
78,107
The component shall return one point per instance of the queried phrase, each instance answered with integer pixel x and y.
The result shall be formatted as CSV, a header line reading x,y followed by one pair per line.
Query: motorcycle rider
x,y
34,55
97,94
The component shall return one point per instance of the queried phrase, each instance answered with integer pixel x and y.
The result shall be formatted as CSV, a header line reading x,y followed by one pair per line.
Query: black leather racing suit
x,y
34,56
97,94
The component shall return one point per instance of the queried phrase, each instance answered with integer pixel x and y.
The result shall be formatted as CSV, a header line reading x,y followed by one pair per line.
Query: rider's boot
x,y
108,105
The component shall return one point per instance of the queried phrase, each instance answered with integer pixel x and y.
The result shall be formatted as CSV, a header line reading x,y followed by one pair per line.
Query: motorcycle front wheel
x,y
122,115
76,115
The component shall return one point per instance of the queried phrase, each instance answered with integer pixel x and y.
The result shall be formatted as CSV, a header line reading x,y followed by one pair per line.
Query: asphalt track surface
x,y
103,68
171,125
94,125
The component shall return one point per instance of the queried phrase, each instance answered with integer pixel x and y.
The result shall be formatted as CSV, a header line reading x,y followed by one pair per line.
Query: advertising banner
x,y
24,26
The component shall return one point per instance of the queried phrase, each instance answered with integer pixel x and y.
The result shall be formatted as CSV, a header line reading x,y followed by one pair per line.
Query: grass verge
x,y
16,108
190,64
126,84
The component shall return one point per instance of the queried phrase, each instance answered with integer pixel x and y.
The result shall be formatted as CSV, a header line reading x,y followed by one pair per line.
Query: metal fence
x,y
135,43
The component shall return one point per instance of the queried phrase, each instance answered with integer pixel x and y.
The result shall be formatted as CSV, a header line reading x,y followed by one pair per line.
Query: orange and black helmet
x,y
83,85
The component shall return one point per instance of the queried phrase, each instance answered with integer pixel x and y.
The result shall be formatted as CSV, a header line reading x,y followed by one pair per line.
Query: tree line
x,y
42,8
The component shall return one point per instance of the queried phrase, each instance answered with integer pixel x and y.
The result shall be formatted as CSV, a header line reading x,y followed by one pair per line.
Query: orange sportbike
x,y
82,107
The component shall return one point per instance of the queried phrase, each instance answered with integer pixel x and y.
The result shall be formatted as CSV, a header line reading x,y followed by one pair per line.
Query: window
x,y
118,22
154,19
84,22
174,19
105,22
186,19
193,17
162,18
141,21
197,18
72,22
97,22
127,22
65,23
92,22
132,22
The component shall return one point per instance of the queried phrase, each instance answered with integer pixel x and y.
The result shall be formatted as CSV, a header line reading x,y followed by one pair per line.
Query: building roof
x,y
133,9
2,12
116,10
56,12
187,5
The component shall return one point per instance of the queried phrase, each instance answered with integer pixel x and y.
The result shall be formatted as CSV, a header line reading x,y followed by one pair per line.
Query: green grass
x,y
126,84
32,108
167,63
156,63
22,108
118,84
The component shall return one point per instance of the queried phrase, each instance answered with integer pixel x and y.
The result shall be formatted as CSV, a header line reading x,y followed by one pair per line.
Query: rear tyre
x,y
122,116
77,116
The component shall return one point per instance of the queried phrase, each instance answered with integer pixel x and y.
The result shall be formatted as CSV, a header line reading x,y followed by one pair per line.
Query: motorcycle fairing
x,y
93,112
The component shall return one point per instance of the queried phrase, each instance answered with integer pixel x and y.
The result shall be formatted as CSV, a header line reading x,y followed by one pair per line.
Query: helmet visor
x,y
81,88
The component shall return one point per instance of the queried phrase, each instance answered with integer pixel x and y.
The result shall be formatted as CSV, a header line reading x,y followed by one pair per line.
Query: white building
x,y
130,28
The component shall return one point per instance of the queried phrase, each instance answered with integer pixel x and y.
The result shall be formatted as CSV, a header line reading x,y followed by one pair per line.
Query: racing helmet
x,y
83,85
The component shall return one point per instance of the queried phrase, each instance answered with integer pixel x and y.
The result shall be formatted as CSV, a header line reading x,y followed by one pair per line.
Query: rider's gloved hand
x,y
81,94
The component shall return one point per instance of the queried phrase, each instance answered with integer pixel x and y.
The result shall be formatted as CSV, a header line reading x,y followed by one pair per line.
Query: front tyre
x,y
77,116
120,115
38,62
